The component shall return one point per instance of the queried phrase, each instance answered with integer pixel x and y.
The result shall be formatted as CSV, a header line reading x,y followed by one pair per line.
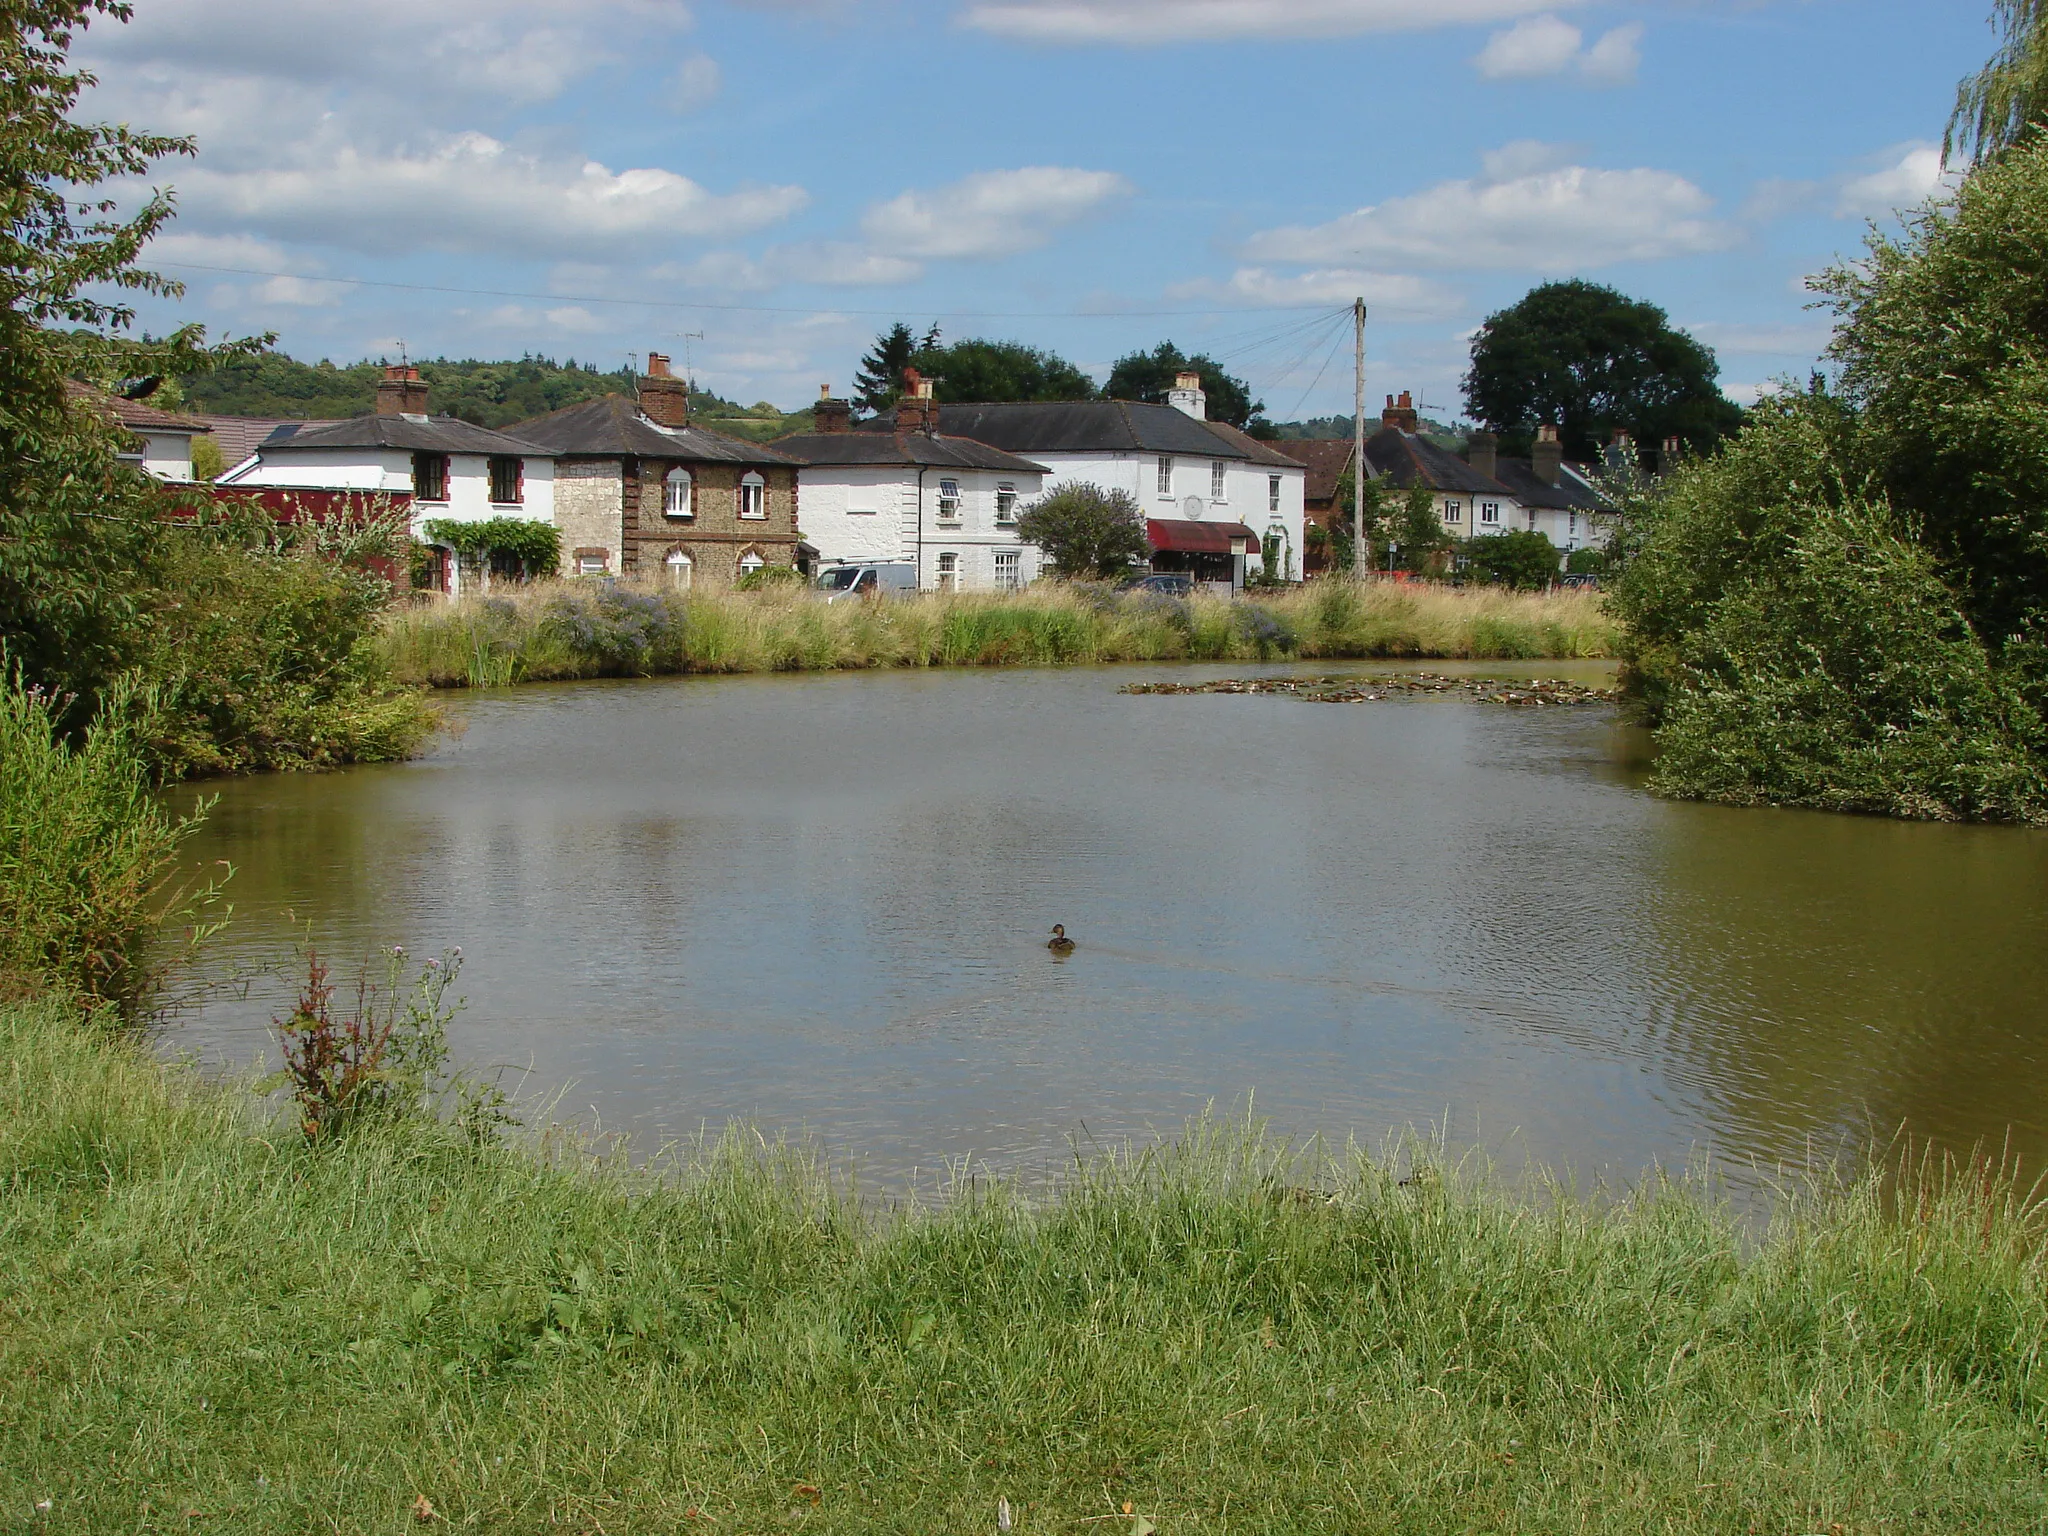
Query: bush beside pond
x,y
558,630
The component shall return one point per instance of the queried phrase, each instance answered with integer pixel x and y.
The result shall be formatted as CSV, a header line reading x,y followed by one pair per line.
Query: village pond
x,y
819,904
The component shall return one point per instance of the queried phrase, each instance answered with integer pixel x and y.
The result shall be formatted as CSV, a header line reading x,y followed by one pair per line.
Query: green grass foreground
x,y
571,629
204,1325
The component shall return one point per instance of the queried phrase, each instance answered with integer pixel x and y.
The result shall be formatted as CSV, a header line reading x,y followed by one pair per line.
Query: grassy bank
x,y
209,1325
568,630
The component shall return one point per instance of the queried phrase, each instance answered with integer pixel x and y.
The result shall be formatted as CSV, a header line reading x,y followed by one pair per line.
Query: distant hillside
x,y
491,394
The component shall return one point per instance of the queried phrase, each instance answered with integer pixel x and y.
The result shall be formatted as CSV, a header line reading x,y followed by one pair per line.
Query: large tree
x,y
2006,101
1148,376
1593,361
975,369
879,383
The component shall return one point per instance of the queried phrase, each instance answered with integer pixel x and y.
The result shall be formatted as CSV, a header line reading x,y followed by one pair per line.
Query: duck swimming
x,y
1059,943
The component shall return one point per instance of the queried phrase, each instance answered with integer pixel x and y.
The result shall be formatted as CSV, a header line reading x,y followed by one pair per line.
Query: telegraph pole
x,y
1360,550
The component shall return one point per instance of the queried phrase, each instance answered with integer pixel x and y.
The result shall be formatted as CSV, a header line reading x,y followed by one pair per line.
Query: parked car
x,y
1172,583
841,582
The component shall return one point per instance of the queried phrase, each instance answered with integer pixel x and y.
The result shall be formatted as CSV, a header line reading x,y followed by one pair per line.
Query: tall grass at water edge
x,y
580,629
210,1320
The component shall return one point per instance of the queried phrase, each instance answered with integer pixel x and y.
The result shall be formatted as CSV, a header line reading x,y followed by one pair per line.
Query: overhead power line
x,y
758,309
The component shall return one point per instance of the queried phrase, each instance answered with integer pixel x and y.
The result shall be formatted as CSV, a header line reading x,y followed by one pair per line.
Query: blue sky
x,y
597,179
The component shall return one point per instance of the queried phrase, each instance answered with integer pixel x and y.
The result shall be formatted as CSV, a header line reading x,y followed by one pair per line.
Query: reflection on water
x,y
821,903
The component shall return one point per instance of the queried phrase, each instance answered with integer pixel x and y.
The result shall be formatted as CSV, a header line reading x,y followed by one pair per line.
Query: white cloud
x,y
829,262
1776,196
1524,213
1806,338
1614,59
1172,21
471,193
991,213
695,84
1544,45
299,292
569,319
1541,45
1911,175
1389,295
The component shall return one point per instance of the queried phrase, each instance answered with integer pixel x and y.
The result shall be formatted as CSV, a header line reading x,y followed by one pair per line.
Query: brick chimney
x,y
916,410
1187,396
664,398
1547,457
1674,450
1400,414
401,392
1621,452
1482,452
832,415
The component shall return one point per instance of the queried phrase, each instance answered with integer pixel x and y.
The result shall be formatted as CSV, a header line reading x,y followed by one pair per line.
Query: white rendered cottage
x,y
1211,495
159,442
454,470
947,505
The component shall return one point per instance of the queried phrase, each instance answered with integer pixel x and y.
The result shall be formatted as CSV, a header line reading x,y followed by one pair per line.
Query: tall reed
x,y
585,629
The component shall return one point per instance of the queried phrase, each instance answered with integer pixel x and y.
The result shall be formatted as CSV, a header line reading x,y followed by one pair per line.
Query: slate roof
x,y
1326,458
914,448
612,427
1570,494
431,434
1404,458
1257,451
1086,426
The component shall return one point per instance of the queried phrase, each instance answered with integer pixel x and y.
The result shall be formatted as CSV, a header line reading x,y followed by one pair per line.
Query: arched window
x,y
750,562
675,494
753,495
679,568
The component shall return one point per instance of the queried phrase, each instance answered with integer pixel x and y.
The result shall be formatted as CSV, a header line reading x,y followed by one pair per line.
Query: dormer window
x,y
430,476
753,496
676,495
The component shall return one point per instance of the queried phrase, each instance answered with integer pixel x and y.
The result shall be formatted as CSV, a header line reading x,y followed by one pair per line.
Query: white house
x,y
160,441
1212,496
454,470
947,505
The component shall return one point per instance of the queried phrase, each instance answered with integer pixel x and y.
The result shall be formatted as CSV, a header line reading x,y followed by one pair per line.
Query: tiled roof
x,y
905,448
239,436
1259,452
1326,458
134,414
613,427
1571,493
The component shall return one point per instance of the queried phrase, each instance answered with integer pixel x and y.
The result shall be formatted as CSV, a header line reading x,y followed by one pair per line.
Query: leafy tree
x,y
1588,561
1591,360
1148,376
1086,530
879,384
1942,339
2005,102
1520,558
76,524
1002,371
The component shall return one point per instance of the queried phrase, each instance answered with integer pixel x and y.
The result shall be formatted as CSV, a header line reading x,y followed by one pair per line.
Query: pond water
x,y
819,903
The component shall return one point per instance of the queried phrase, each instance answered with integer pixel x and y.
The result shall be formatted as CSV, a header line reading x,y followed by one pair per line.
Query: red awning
x,y
1192,538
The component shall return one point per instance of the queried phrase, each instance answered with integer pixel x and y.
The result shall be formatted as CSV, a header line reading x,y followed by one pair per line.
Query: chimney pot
x,y
1546,459
401,392
1187,395
832,415
916,410
1400,414
657,365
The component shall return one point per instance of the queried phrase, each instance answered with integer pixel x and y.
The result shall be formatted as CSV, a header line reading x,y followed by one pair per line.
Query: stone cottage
x,y
639,491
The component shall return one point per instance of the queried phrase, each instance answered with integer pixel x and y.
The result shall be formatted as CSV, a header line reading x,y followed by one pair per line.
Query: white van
x,y
842,582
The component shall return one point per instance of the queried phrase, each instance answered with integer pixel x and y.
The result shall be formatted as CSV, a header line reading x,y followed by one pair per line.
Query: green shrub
x,y
1520,559
86,848
768,577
